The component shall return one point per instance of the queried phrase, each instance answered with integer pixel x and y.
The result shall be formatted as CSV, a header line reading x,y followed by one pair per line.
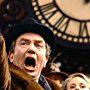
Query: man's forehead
x,y
32,36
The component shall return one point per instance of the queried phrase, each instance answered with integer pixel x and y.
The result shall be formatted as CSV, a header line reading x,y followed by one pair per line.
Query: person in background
x,y
53,73
55,66
29,46
57,77
76,81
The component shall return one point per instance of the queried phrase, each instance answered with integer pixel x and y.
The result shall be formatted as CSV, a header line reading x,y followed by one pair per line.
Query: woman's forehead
x,y
77,80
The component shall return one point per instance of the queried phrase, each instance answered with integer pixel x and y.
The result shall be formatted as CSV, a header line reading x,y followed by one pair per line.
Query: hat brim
x,y
17,30
61,74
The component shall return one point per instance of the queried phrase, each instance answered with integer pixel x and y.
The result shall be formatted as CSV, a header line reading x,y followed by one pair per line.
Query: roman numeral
x,y
48,10
83,31
62,23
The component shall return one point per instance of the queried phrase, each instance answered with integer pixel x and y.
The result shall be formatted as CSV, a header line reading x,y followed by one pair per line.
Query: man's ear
x,y
11,56
46,62
46,59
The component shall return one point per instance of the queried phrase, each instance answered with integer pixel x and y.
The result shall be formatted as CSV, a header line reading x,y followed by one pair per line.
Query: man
x,y
29,46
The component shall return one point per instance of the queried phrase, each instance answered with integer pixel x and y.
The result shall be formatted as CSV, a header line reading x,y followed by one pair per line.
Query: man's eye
x,y
38,45
23,43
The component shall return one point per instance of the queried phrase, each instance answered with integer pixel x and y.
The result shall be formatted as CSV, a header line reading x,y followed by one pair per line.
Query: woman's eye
x,y
72,87
83,86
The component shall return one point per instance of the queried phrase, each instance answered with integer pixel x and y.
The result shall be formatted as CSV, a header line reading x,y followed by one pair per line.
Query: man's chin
x,y
33,75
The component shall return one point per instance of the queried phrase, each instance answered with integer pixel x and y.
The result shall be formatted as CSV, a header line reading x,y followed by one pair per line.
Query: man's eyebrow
x,y
37,41
24,39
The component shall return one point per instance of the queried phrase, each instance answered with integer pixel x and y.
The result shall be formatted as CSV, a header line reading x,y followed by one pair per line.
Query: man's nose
x,y
31,49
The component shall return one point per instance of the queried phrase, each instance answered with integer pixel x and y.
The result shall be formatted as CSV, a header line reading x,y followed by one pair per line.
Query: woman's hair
x,y
84,77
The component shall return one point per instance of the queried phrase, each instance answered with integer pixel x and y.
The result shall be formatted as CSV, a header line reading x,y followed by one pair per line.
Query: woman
x,y
77,81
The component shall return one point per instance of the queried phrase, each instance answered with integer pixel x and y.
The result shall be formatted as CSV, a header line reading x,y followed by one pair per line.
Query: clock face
x,y
68,19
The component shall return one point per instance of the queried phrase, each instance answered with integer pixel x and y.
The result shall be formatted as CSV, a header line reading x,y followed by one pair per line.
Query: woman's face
x,y
77,83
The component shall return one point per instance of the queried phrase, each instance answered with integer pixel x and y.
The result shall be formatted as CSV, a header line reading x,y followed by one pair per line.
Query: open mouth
x,y
30,63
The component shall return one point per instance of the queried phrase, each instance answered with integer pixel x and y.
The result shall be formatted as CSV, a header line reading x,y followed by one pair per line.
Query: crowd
x,y
24,52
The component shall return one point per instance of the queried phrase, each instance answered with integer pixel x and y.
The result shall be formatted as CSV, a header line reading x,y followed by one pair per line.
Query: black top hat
x,y
31,26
